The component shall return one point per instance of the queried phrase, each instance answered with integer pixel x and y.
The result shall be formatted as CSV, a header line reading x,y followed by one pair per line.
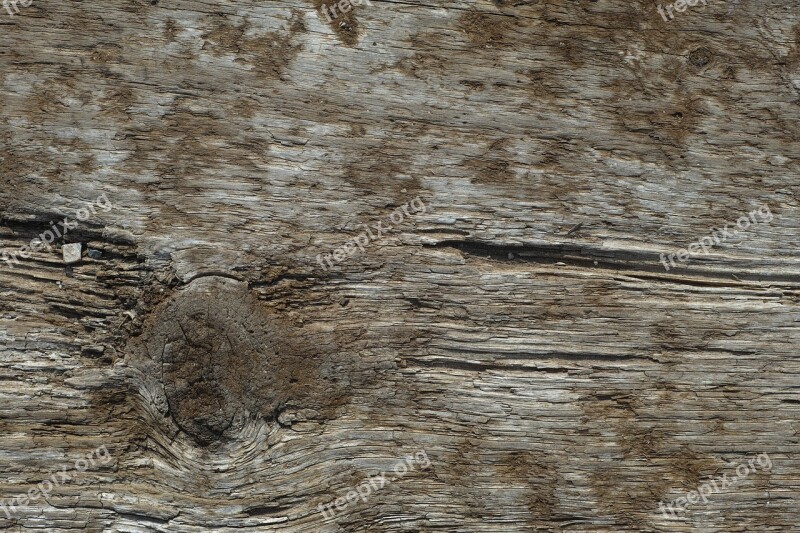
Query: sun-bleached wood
x,y
521,331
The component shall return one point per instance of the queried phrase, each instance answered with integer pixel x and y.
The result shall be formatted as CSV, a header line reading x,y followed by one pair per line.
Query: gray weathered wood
x,y
520,329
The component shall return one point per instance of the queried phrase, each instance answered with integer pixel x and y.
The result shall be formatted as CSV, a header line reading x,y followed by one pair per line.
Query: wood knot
x,y
223,356
700,57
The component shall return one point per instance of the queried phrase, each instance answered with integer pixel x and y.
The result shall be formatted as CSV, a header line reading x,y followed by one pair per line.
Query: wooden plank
x,y
496,184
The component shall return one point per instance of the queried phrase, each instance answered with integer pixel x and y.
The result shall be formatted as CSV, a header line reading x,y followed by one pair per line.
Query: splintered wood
x,y
369,266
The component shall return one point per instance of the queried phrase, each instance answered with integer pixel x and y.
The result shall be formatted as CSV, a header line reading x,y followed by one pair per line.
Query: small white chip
x,y
72,253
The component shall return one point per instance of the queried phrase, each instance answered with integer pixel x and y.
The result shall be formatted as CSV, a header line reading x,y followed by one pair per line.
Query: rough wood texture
x,y
520,330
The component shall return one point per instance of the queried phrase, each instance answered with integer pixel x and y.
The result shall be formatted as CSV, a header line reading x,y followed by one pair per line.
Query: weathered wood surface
x,y
556,376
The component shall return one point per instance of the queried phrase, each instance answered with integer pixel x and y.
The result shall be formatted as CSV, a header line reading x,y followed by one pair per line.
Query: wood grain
x,y
521,331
